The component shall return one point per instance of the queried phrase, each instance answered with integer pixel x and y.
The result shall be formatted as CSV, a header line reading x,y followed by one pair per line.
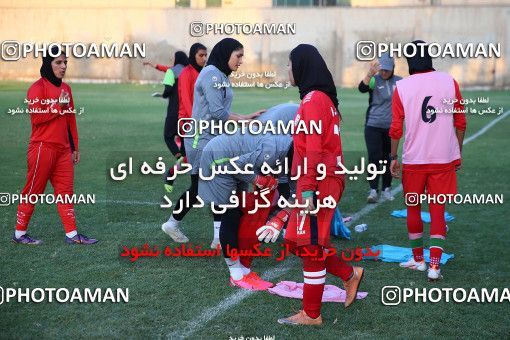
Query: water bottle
x,y
360,228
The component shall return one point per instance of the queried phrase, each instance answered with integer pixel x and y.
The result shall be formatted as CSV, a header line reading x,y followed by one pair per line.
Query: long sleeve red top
x,y
325,148
186,88
50,124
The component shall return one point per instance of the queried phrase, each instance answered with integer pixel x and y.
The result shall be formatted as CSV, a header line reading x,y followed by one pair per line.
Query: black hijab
x,y
220,54
311,73
192,55
46,69
180,58
419,63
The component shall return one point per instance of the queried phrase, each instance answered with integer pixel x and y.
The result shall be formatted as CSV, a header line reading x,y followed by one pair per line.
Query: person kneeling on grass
x,y
53,149
238,227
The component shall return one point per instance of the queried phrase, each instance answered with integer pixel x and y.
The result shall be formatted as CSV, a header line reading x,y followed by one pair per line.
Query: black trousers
x,y
193,193
229,230
169,134
379,147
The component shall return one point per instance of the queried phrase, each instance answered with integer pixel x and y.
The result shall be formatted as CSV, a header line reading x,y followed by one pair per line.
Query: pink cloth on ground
x,y
294,290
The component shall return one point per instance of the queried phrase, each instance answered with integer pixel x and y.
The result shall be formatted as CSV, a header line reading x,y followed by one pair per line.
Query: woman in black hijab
x,y
196,58
310,72
221,56
213,104
309,232
419,62
53,148
180,58
47,71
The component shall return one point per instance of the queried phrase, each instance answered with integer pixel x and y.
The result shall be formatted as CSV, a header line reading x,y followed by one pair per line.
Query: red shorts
x,y
434,183
304,230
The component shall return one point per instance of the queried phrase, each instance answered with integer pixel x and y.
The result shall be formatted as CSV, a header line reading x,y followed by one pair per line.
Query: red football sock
x,y
435,256
314,272
437,232
336,266
415,231
248,225
418,254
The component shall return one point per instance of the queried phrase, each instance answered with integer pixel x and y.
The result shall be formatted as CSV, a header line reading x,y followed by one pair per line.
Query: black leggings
x,y
193,193
379,147
229,230
169,134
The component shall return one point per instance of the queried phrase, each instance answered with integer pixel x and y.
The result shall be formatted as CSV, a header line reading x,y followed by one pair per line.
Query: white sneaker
x,y
372,196
434,274
412,264
386,194
215,243
174,232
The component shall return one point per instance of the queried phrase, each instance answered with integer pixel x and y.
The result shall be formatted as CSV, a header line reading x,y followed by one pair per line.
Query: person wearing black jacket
x,y
172,112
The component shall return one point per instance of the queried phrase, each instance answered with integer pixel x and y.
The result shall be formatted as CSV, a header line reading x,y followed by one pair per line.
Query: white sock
x,y
245,270
19,233
173,222
72,234
217,225
235,269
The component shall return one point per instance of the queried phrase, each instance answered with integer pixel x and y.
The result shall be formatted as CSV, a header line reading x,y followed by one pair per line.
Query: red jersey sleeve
x,y
397,116
162,68
459,118
185,88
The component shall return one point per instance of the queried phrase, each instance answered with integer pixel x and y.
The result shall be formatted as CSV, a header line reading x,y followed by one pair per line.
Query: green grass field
x,y
186,297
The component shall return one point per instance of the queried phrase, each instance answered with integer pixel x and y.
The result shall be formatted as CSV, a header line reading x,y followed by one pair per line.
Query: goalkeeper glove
x,y
270,231
265,182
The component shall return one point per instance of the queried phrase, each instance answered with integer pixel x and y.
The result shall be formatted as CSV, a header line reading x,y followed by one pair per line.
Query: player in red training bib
x,y
432,150
52,150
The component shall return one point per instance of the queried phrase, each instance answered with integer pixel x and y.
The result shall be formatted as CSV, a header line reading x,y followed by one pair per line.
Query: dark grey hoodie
x,y
379,102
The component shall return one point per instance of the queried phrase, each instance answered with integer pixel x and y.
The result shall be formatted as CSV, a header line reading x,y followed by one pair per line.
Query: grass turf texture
x,y
166,294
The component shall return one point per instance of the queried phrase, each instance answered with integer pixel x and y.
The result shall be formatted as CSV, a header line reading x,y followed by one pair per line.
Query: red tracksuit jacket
x,y
186,88
323,148
51,127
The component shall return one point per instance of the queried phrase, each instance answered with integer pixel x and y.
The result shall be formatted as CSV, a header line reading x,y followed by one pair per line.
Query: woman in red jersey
x,y
53,148
308,231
